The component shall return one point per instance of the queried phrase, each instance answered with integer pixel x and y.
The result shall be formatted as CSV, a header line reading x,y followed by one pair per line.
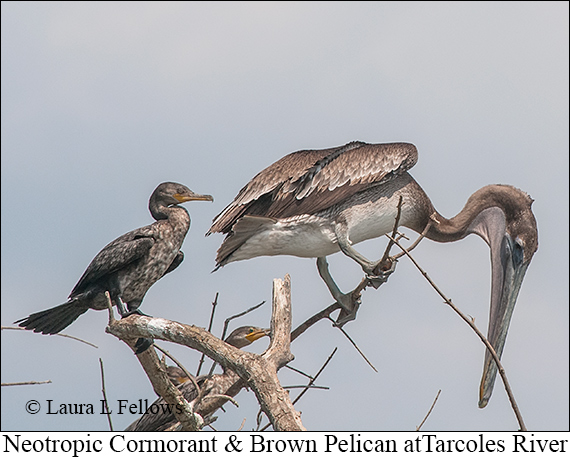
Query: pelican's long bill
x,y
508,270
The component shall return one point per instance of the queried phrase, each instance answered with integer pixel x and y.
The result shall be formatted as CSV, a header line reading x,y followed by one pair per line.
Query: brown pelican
x,y
312,203
128,266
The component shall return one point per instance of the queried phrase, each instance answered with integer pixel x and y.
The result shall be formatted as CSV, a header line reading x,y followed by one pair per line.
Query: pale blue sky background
x,y
103,101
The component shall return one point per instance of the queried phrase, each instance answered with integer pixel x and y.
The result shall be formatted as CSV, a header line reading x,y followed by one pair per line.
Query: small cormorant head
x,y
171,193
177,375
244,336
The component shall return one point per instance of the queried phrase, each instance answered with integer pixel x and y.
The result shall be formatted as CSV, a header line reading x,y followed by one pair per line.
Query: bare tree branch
x,y
298,371
306,388
417,241
156,374
235,316
429,412
316,376
165,389
355,346
214,304
104,391
182,367
24,383
258,371
226,324
55,334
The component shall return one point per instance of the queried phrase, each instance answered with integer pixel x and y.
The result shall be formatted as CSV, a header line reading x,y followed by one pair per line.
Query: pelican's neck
x,y
509,200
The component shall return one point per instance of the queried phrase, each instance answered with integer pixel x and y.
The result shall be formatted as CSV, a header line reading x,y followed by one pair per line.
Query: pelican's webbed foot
x,y
346,315
380,272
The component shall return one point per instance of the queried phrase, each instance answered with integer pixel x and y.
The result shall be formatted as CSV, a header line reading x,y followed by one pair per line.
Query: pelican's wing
x,y
305,182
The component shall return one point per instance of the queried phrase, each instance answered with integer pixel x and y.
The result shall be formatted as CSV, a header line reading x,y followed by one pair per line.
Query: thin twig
x,y
56,334
107,412
417,241
224,397
182,367
110,307
479,334
354,344
298,371
311,382
227,322
24,383
241,426
235,316
306,386
259,418
394,233
313,320
429,412
325,313
214,304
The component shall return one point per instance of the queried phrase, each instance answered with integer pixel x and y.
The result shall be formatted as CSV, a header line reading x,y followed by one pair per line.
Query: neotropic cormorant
x,y
128,266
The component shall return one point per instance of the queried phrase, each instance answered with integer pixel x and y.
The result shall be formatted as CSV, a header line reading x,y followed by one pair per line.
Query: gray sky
x,y
103,101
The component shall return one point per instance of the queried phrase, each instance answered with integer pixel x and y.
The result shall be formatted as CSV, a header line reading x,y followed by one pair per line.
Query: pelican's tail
x,y
244,229
55,319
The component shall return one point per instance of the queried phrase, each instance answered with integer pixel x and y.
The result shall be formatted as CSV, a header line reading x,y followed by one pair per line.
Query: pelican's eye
x,y
518,250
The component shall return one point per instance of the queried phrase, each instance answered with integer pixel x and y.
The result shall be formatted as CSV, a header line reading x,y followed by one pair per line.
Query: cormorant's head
x,y
244,336
171,193
176,375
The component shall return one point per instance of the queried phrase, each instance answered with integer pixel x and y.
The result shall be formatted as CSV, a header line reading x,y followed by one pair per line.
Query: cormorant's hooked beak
x,y
256,334
507,273
193,197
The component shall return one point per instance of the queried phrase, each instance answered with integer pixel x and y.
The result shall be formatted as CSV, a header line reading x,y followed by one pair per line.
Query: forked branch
x,y
258,371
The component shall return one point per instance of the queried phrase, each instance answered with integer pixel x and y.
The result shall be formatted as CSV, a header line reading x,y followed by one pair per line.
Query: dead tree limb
x,y
429,412
104,392
24,383
259,372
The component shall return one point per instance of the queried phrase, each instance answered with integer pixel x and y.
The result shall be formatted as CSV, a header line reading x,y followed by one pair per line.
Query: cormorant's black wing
x,y
115,256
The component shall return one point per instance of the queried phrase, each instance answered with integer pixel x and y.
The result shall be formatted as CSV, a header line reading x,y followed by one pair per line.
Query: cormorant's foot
x,y
135,311
142,344
349,309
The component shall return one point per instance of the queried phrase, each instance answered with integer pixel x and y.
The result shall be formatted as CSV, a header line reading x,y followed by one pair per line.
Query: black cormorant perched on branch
x,y
128,266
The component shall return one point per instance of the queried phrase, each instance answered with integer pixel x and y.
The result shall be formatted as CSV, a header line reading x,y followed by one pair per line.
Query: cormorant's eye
x,y
250,330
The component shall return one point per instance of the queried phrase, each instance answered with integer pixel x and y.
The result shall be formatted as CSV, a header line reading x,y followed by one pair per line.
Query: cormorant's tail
x,y
53,320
